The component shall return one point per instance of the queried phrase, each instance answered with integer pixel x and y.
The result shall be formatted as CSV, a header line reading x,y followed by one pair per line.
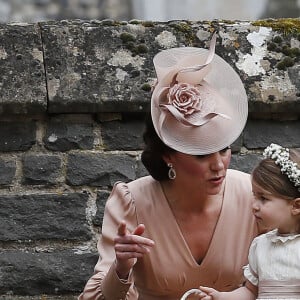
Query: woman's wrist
x,y
122,273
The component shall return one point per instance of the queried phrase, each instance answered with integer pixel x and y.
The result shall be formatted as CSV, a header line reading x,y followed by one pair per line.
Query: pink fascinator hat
x,y
199,104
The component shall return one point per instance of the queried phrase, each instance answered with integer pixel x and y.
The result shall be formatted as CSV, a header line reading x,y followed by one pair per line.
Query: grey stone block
x,y
141,170
41,169
100,202
261,133
237,144
37,273
107,66
22,75
7,171
245,162
99,169
64,136
84,64
17,136
43,216
118,135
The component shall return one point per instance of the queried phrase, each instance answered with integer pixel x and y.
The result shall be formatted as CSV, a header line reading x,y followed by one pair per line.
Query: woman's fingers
x,y
206,297
139,230
137,248
197,292
134,239
210,292
206,289
124,237
122,228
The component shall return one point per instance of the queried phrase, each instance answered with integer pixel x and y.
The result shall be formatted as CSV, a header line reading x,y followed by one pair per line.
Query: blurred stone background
x,y
154,10
63,142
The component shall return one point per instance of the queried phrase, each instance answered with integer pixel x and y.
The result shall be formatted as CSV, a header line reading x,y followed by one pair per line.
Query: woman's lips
x,y
217,180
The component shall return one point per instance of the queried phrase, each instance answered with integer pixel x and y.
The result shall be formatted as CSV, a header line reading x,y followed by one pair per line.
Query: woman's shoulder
x,y
136,195
133,188
238,175
143,181
144,187
125,187
238,180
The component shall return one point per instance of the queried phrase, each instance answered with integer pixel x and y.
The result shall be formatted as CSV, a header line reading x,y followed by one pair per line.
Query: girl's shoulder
x,y
272,236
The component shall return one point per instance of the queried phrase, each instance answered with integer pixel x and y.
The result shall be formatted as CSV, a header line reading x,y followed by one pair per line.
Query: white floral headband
x,y
281,157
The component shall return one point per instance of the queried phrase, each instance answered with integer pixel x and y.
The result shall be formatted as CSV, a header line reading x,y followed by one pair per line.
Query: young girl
x,y
273,271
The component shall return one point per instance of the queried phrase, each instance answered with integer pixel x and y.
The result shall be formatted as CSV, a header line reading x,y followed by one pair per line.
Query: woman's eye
x,y
225,149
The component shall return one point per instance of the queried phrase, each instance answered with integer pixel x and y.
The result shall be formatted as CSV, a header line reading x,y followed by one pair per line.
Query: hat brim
x,y
230,99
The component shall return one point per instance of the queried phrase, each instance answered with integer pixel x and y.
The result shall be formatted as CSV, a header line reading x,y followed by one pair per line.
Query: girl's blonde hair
x,y
268,176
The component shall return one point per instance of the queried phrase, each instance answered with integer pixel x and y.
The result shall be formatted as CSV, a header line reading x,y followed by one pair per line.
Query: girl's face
x,y
205,172
273,212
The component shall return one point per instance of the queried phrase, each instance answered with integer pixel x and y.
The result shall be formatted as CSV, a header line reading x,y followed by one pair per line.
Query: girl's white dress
x,y
274,266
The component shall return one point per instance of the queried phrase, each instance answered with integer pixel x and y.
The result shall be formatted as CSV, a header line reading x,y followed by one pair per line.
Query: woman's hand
x,y
210,293
244,293
129,247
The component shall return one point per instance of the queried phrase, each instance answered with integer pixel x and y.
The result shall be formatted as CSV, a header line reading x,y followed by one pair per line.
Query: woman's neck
x,y
189,200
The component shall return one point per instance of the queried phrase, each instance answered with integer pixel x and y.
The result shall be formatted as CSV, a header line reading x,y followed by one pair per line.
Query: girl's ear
x,y
296,207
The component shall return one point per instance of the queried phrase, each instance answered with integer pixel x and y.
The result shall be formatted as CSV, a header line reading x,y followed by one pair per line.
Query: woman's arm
x,y
119,246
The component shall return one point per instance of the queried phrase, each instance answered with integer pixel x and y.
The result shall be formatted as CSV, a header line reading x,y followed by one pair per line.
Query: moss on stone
x,y
135,22
148,24
127,37
186,29
271,46
142,48
285,63
283,25
277,39
146,87
109,22
292,52
227,22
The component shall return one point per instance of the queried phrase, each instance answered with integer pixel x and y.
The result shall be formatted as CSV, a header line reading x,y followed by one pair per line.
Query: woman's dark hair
x,y
153,152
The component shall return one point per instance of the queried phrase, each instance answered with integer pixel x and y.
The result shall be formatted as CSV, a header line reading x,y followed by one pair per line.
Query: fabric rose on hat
x,y
185,97
183,91
192,105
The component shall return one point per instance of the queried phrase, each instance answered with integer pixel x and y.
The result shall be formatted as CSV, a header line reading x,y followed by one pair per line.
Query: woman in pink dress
x,y
188,223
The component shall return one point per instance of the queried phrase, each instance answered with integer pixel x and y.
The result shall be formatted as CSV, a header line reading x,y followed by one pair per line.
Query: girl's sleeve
x,y
105,284
251,270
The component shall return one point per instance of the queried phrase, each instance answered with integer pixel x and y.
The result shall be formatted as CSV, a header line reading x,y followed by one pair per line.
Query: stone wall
x,y
73,96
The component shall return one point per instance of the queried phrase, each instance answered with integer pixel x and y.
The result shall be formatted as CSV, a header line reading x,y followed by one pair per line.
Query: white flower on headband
x,y
185,97
281,157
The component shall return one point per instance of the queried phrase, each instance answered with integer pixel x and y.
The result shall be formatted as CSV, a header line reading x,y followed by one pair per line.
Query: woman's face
x,y
205,172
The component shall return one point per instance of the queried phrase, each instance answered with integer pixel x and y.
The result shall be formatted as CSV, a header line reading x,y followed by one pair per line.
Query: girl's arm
x,y
247,292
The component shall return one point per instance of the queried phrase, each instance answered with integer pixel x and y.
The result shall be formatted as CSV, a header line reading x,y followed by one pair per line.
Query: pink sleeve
x,y
105,284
